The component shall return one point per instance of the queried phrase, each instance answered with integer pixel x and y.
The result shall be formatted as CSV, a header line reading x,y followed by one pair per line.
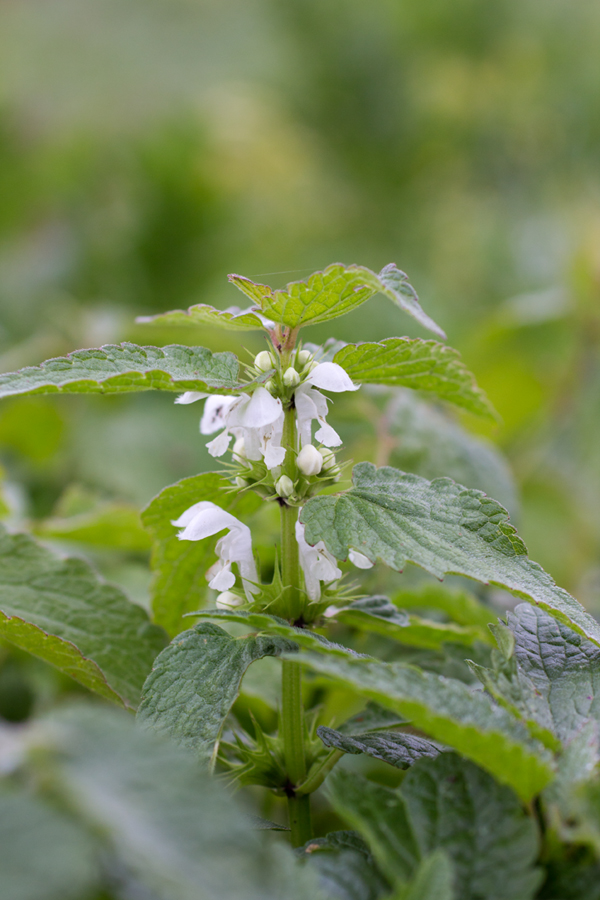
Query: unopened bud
x,y
241,482
303,357
271,386
310,461
285,486
229,600
239,448
329,460
264,361
291,377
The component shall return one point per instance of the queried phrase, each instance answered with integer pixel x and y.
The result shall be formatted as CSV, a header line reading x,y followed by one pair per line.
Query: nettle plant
x,y
494,793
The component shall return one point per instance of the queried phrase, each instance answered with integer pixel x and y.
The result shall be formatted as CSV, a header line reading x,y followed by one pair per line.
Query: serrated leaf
x,y
200,314
449,711
60,610
170,825
196,680
179,584
378,614
426,440
345,865
417,364
394,283
442,527
396,748
121,368
552,678
274,625
43,854
455,806
111,525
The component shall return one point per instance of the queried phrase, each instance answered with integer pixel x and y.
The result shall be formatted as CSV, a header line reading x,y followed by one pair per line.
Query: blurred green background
x,y
149,148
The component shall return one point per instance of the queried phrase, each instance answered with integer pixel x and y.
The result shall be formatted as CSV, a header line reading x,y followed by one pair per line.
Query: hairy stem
x,y
292,710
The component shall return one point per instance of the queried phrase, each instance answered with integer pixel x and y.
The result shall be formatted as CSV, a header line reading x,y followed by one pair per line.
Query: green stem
x,y
292,710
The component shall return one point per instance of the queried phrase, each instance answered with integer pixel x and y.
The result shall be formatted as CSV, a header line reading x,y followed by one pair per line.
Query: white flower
x,y
360,560
228,600
317,564
309,461
264,361
285,486
204,519
291,377
257,418
311,404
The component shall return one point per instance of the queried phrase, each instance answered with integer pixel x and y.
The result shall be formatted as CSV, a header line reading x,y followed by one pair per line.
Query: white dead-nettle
x,y
317,564
256,417
229,600
284,486
311,404
360,560
204,519
309,461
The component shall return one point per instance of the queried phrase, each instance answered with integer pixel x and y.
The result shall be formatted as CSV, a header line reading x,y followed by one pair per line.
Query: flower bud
x,y
329,460
285,486
303,357
241,482
229,600
239,448
310,461
291,377
264,361
271,386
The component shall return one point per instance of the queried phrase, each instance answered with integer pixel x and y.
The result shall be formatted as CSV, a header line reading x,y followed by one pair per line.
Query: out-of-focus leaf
x,y
372,718
442,527
196,680
31,426
420,365
432,881
346,868
179,583
111,525
379,615
450,712
201,314
396,748
459,605
120,368
43,855
428,442
59,609
174,828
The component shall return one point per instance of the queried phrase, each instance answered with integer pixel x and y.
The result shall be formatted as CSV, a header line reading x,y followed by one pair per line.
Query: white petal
x,y
263,409
223,580
328,435
215,413
360,560
219,445
331,377
207,519
190,397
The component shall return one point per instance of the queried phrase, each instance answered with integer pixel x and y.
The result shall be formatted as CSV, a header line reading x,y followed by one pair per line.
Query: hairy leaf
x,y
396,748
43,855
60,610
179,584
426,440
196,680
455,806
379,615
372,718
200,314
420,365
394,283
442,527
346,868
450,712
111,525
433,880
176,830
121,368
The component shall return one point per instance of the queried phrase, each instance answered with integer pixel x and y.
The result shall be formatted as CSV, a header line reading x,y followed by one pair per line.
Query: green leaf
x,y
346,868
111,525
274,625
201,315
381,816
43,854
379,615
175,829
121,368
442,527
372,718
196,680
420,365
179,584
549,674
433,880
427,441
459,605
449,711
396,748
455,806
60,610
394,283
